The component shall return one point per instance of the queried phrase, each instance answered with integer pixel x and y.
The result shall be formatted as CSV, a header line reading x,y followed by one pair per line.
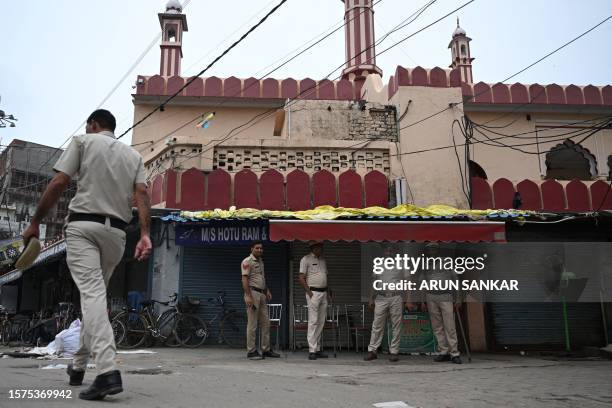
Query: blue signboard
x,y
222,232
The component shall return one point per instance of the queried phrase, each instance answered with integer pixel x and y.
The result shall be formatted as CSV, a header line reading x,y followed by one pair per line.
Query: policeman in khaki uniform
x,y
256,297
440,305
110,174
390,304
313,278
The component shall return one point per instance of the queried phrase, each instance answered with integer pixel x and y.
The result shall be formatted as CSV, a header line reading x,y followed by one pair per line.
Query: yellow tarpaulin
x,y
327,212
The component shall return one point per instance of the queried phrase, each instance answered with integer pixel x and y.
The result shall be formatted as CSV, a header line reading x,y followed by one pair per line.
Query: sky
x,y
61,58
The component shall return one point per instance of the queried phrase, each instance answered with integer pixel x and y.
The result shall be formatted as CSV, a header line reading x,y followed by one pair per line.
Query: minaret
x,y
460,50
359,34
173,23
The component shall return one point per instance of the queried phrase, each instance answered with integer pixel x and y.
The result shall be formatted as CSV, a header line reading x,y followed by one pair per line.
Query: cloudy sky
x,y
60,59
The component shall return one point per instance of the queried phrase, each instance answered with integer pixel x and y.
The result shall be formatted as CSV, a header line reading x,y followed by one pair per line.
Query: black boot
x,y
442,358
104,384
76,376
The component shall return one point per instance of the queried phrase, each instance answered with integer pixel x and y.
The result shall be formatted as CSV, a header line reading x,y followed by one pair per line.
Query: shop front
x,y
206,255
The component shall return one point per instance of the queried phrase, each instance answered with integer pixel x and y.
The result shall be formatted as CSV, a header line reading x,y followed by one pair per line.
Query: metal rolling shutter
x,y
344,265
541,324
206,270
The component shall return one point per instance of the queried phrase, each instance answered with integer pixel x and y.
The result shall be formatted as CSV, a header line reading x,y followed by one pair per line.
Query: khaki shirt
x,y
254,269
106,170
315,270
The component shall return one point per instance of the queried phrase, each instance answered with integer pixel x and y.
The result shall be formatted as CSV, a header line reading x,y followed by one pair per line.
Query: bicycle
x,y
174,327
5,327
231,323
39,328
65,316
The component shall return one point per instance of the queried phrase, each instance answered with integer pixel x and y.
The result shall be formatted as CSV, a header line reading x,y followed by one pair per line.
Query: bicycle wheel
x,y
167,324
5,334
190,331
119,331
233,329
135,329
27,336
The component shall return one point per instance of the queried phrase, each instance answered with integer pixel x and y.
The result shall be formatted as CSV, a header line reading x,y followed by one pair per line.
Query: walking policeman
x,y
313,278
256,297
109,174
387,304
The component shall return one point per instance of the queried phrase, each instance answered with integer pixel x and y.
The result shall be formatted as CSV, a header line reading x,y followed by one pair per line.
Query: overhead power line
x,y
202,72
262,116
511,76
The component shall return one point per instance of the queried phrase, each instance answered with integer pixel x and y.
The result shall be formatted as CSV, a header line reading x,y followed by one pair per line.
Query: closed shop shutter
x,y
540,325
344,278
206,270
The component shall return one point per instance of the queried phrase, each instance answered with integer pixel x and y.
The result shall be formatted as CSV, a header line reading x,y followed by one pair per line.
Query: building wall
x,y
433,176
166,268
179,152
516,166
340,120
315,135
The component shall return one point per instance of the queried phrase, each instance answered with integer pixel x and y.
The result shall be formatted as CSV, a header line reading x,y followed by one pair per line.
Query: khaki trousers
x,y
383,307
317,313
442,317
253,317
93,250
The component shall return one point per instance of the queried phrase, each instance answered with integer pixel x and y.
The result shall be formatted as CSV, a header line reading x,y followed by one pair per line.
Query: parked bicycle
x,y
66,314
232,323
40,329
5,326
45,325
174,327
12,328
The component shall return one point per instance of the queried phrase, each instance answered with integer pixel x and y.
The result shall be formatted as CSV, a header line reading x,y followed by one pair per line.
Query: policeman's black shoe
x,y
370,356
271,354
394,358
442,358
76,376
254,355
456,360
312,356
321,354
104,384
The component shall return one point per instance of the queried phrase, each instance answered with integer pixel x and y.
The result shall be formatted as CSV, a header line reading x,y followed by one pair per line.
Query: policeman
x,y
440,307
313,278
387,303
110,174
256,296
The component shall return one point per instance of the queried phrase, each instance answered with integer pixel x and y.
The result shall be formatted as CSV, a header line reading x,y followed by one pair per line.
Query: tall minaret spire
x,y
359,34
460,51
173,23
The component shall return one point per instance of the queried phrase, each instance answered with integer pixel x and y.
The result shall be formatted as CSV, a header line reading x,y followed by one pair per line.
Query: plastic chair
x,y
332,321
300,322
355,322
275,314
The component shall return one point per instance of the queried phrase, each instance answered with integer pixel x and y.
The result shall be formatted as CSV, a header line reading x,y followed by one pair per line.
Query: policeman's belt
x,y
114,222
389,294
318,289
257,289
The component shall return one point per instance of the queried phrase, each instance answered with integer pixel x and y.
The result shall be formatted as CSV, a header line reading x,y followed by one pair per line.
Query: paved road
x,y
224,378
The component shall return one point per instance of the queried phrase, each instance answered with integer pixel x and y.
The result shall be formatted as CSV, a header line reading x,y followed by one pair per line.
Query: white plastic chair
x,y
355,323
275,314
332,321
300,322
